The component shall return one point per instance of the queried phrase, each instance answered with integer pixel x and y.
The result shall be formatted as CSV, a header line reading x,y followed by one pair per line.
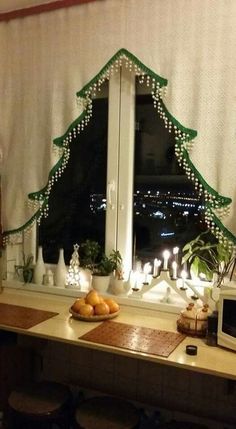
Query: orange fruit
x,y
92,298
112,304
86,310
77,304
101,309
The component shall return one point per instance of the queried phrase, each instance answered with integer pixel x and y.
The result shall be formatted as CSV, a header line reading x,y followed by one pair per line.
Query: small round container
x,y
191,350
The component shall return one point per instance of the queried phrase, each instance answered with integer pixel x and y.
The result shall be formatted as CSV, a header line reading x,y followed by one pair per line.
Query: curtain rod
x,y
48,7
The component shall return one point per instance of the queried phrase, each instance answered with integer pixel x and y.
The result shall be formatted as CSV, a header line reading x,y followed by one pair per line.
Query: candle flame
x,y
166,254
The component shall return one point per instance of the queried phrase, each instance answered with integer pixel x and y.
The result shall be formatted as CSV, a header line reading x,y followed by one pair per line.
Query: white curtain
x,y
46,59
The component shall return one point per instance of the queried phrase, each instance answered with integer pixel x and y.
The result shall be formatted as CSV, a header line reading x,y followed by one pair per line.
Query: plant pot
x,y
100,283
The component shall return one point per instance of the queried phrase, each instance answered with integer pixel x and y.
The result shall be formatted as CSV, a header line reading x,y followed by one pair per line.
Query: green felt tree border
x,y
215,200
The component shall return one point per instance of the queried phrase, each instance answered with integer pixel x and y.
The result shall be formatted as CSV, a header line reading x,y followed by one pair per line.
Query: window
x,y
78,201
122,186
167,210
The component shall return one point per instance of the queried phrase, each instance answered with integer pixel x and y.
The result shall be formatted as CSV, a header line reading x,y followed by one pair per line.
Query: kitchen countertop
x,y
210,360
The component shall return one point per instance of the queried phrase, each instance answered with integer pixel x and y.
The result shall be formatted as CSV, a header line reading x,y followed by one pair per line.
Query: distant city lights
x,y
159,214
157,204
167,234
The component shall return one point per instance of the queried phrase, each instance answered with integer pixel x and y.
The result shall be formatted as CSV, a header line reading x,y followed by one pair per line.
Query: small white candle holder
x,y
182,286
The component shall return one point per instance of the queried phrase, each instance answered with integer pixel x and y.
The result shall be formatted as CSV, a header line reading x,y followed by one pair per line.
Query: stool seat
x,y
106,413
182,425
45,402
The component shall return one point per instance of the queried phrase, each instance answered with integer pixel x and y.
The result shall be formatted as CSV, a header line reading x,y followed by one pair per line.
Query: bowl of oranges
x,y
93,308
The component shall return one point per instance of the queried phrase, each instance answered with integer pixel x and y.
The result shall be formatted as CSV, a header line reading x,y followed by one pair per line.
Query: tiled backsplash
x,y
156,385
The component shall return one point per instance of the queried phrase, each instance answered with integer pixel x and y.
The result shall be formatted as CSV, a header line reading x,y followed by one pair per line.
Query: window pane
x,y
167,210
77,205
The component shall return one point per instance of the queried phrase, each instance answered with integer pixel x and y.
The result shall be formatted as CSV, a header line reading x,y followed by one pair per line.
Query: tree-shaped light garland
x,y
73,276
216,205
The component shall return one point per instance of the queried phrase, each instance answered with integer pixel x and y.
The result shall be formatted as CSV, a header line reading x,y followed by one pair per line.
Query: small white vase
x,y
61,270
48,278
117,286
39,269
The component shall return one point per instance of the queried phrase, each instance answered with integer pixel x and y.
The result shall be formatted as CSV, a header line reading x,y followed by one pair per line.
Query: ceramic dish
x,y
93,318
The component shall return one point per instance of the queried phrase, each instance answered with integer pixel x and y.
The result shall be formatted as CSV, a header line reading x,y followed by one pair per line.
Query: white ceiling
x,y
10,5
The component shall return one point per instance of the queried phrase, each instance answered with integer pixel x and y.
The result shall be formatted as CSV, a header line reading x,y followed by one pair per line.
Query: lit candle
x,y
157,264
134,280
166,255
183,276
174,267
146,269
175,252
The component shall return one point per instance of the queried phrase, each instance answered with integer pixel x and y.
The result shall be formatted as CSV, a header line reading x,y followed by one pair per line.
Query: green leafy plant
x,y
105,267
208,256
26,269
110,264
90,253
91,257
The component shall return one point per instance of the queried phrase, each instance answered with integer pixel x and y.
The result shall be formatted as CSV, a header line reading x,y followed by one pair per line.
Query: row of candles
x,y
158,263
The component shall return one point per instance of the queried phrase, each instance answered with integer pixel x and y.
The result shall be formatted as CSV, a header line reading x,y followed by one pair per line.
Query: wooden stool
x,y
40,405
182,425
106,412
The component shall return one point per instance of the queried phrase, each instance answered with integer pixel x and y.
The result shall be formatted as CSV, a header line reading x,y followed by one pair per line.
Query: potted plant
x,y
102,274
100,265
26,269
206,255
89,254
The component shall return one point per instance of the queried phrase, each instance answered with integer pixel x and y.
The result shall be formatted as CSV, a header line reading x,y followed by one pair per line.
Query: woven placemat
x,y
136,338
22,317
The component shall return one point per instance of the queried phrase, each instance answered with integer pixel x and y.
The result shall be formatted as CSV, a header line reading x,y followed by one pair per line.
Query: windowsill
x,y
151,301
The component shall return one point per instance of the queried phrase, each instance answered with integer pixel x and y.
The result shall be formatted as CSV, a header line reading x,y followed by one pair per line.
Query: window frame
x,y
120,162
